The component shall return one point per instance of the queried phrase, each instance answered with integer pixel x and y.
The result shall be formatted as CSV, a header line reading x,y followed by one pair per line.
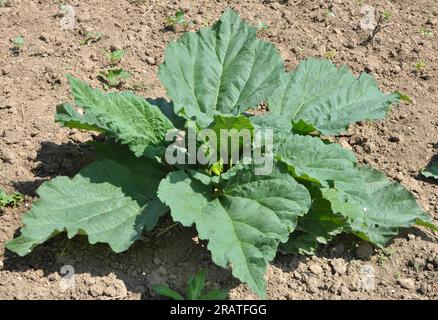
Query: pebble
x,y
338,266
111,292
150,60
1,265
364,251
406,283
395,139
411,236
357,140
44,37
343,290
7,156
315,269
336,286
52,277
297,275
96,290
312,285
369,147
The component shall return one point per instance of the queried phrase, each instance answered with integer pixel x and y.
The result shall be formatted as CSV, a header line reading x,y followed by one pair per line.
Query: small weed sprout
x,y
195,290
330,54
5,3
385,255
114,57
330,14
420,65
10,199
386,15
261,26
113,78
426,32
91,37
17,44
176,20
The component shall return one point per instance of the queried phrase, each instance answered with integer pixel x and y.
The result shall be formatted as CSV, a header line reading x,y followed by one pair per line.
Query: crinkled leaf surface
x,y
309,158
329,98
70,117
231,131
220,70
228,122
280,126
317,226
109,201
168,109
244,219
302,127
431,171
376,208
128,118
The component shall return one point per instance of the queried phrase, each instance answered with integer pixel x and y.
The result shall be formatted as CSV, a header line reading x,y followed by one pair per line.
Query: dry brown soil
x,y
33,148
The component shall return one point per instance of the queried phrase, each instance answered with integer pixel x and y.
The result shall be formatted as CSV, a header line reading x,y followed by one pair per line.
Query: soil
x,y
34,149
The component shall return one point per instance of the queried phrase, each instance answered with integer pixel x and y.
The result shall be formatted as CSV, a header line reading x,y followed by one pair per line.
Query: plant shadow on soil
x,y
161,256
171,256
432,161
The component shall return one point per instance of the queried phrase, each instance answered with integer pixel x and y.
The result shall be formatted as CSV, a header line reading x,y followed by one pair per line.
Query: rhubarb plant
x,y
214,77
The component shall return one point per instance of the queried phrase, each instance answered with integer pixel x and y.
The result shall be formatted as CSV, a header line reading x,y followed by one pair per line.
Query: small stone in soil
x,y
7,156
395,139
338,266
411,236
96,290
111,292
369,147
315,269
312,285
406,283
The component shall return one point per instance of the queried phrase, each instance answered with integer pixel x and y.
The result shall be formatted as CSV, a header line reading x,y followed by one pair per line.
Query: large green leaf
x,y
70,117
376,208
309,158
231,132
244,219
317,226
280,126
125,116
110,202
329,98
169,111
220,70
